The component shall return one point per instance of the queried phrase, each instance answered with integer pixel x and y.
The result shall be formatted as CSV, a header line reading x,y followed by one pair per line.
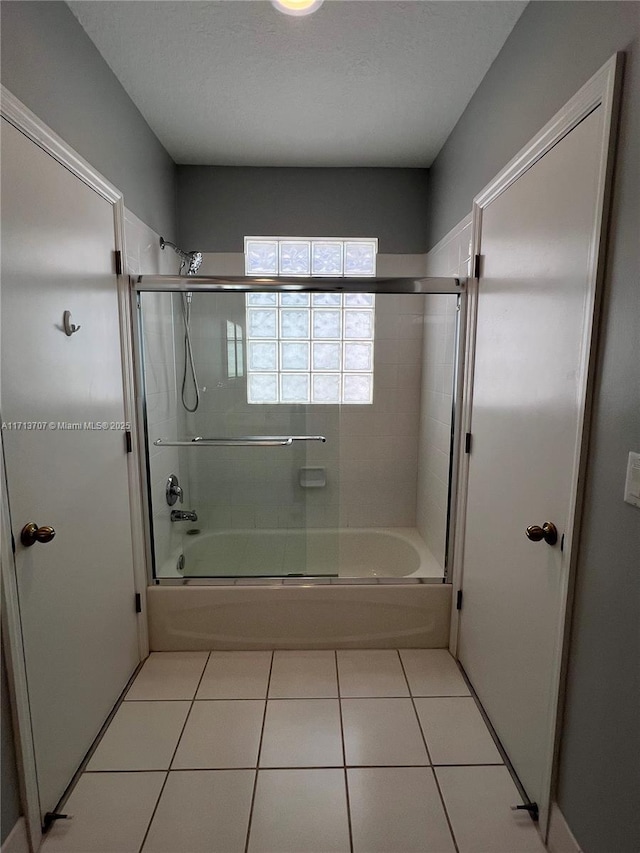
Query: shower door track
x,y
307,284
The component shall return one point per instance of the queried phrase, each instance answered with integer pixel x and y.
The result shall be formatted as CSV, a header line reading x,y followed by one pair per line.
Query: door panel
x,y
76,593
533,316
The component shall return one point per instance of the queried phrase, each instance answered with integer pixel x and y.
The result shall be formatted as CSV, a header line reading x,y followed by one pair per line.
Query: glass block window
x,y
310,347
326,256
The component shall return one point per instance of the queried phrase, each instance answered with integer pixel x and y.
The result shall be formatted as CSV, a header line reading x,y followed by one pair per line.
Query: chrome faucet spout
x,y
183,515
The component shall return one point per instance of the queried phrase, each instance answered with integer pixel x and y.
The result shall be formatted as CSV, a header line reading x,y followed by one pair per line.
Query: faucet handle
x,y
174,490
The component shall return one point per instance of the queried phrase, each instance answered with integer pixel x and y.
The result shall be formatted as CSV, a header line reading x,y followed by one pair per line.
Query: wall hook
x,y
69,327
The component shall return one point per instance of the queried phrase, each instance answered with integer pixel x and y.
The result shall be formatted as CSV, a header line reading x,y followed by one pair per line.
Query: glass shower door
x,y
311,432
250,464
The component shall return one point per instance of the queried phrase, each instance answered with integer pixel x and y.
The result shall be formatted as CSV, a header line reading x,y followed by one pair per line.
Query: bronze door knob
x,y
31,533
548,532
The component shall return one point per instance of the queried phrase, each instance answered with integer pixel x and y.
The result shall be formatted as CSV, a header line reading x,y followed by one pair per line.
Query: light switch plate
x,y
632,485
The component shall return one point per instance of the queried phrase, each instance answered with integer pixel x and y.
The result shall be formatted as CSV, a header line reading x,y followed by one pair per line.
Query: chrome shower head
x,y
194,263
191,259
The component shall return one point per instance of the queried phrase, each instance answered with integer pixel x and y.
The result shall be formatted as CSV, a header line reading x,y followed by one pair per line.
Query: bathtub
x,y
372,589
341,553
284,614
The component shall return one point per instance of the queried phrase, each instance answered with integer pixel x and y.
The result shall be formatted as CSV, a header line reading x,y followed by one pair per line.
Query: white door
x,y
534,317
76,592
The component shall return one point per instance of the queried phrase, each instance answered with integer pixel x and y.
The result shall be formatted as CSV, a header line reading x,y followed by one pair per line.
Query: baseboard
x,y
17,840
560,838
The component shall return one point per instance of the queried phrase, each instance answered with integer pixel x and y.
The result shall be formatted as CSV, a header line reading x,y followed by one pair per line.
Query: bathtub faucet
x,y
183,515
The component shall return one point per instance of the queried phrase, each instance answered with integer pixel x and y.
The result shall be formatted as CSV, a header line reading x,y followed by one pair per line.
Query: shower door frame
x,y
420,285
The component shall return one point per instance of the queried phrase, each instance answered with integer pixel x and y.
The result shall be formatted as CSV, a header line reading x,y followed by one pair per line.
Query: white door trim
x,y
21,117
602,90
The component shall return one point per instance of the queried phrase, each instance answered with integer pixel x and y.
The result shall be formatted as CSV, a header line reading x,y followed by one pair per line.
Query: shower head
x,y
192,260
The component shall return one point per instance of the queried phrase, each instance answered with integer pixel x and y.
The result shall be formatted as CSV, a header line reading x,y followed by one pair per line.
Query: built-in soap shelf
x,y
312,478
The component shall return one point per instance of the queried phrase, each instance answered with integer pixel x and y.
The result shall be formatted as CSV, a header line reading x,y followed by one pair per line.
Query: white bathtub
x,y
342,553
282,614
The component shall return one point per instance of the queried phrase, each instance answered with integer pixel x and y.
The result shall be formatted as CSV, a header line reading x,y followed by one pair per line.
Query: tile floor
x,y
296,752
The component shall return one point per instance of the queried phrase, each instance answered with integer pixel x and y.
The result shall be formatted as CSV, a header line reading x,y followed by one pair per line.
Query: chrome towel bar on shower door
x,y
240,441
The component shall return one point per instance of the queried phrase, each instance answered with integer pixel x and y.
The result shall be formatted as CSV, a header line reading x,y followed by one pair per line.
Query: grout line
x,y
257,767
166,778
293,698
344,754
426,746
225,768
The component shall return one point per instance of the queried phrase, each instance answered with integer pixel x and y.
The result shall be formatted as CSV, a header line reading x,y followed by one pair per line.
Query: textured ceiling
x,y
358,83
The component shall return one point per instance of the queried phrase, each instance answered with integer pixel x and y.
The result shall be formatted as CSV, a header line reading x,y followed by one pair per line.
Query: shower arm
x,y
192,259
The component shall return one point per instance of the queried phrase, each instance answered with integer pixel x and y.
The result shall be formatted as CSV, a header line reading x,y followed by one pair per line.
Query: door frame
x,y
21,117
602,90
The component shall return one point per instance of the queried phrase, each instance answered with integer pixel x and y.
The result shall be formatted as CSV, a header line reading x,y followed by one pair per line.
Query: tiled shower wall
x,y
450,257
370,456
144,257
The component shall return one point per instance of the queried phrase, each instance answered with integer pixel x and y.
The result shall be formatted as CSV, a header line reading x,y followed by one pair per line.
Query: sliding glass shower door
x,y
310,433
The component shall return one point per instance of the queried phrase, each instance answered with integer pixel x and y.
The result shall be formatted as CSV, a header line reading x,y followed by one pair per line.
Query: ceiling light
x,y
297,7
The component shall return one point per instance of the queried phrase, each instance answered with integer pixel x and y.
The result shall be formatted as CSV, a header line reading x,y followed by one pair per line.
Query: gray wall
x,y
219,205
554,48
10,801
52,66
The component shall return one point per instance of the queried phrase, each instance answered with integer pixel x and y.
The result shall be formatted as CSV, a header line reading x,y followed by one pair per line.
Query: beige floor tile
x,y
397,809
168,675
202,811
478,801
299,811
303,675
455,732
371,673
221,734
382,732
302,733
141,736
111,812
433,672
236,675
